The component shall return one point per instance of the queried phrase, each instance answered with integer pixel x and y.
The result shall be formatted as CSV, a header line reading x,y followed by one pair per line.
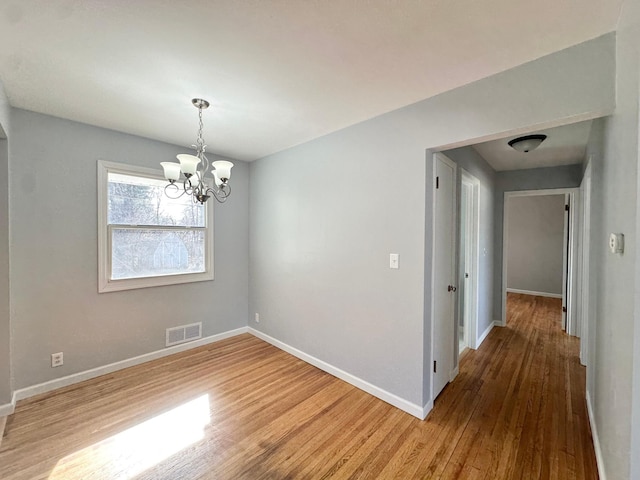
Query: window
x,y
146,239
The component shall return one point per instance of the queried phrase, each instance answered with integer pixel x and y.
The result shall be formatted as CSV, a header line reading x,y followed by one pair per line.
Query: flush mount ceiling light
x,y
194,168
527,143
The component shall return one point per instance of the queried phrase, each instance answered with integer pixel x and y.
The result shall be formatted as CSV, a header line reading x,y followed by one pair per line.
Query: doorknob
x,y
451,288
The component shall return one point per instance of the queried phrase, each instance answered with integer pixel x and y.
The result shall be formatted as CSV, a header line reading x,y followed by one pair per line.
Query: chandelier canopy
x,y
192,169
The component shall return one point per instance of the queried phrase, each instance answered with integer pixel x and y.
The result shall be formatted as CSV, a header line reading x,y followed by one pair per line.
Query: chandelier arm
x,y
219,194
173,187
188,186
222,193
205,162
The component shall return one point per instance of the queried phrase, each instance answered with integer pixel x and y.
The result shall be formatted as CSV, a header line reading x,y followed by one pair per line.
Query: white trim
x,y
472,327
585,267
488,331
105,283
454,373
596,440
537,294
426,409
566,242
8,408
3,424
112,367
390,398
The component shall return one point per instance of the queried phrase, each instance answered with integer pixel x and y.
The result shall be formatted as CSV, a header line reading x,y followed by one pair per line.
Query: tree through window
x,y
150,236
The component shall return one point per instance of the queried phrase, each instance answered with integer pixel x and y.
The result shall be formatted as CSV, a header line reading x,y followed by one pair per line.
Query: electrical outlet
x,y
57,359
257,317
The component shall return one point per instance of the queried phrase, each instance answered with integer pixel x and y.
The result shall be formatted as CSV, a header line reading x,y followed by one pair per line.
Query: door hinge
x,y
437,182
435,365
564,309
566,208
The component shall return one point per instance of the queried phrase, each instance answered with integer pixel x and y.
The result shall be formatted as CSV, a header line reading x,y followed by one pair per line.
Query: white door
x,y
444,271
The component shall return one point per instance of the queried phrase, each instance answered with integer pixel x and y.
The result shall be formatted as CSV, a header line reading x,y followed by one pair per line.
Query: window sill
x,y
164,280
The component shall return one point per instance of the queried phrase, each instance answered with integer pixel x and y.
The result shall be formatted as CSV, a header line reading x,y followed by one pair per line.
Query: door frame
x,y
472,326
572,260
566,256
585,196
454,347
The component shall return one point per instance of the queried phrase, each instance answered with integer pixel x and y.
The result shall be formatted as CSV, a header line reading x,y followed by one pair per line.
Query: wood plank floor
x,y
242,409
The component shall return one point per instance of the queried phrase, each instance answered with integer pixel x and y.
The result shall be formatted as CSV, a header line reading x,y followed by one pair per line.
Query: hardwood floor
x,y
242,409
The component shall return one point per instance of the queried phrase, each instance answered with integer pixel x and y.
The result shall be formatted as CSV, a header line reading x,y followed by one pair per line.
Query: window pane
x,y
142,201
139,253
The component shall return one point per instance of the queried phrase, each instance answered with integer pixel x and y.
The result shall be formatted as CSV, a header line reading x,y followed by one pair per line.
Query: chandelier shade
x,y
192,170
171,170
222,169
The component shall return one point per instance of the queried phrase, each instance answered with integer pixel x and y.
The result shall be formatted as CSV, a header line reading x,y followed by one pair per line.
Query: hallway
x,y
523,394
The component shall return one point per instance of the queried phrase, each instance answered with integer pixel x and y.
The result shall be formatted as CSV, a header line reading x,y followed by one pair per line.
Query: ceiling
x,y
277,72
564,145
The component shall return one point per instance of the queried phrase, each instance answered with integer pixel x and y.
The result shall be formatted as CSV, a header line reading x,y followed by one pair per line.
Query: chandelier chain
x,y
200,140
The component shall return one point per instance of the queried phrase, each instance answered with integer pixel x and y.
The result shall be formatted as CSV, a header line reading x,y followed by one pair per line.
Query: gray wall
x,y
472,162
535,242
325,215
568,176
614,387
56,307
6,384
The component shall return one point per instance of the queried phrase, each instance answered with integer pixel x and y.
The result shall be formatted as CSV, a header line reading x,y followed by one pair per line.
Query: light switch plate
x,y
394,260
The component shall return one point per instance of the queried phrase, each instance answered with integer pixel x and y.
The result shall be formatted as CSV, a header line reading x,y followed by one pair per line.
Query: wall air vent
x,y
183,333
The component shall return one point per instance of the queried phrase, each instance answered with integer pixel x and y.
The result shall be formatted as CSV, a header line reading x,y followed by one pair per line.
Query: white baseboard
x,y
454,373
3,423
7,408
409,407
596,439
426,409
27,392
486,332
537,294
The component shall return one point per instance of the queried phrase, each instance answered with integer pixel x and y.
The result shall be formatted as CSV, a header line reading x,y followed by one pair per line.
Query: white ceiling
x,y
277,72
564,145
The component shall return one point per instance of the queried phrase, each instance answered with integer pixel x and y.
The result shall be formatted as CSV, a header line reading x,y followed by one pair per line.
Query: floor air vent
x,y
183,333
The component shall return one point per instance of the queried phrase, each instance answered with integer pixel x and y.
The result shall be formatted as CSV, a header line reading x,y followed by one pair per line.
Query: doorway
x,y
468,270
540,248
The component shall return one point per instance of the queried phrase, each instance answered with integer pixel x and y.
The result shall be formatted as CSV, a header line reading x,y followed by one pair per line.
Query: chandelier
x,y
194,168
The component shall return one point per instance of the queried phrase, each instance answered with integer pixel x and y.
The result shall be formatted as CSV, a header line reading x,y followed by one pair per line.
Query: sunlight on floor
x,y
131,452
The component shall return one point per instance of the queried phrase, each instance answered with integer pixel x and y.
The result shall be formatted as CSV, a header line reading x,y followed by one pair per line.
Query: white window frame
x,y
105,283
